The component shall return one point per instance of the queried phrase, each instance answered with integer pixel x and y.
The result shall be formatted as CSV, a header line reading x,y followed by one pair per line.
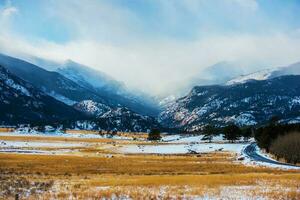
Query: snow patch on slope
x,y
61,98
260,75
92,107
11,83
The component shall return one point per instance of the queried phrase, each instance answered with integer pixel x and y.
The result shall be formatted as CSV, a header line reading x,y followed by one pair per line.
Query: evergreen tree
x,y
232,132
209,132
154,134
274,120
247,133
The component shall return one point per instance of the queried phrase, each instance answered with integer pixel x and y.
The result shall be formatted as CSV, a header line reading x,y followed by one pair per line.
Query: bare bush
x,y
287,147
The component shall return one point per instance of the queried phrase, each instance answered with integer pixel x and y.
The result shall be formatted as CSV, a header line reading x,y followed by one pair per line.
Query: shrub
x,y
287,147
154,135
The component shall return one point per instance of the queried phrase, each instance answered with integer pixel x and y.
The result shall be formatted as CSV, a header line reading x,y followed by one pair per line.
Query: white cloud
x,y
110,39
9,11
164,65
6,14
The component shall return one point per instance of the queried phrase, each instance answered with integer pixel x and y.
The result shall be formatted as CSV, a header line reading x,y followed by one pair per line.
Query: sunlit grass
x,y
95,171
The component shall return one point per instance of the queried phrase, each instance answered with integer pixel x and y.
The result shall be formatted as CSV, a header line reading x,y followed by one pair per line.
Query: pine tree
x,y
208,132
154,135
247,133
232,132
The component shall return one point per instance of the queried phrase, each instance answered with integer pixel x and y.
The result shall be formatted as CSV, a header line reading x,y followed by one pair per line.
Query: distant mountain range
x,y
86,98
51,83
23,103
113,92
69,97
250,103
216,74
293,69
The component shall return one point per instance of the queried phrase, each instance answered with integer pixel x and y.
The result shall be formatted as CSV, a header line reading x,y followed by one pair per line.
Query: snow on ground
x,y
249,161
181,138
182,148
192,138
22,144
260,75
34,147
170,144
57,133
23,151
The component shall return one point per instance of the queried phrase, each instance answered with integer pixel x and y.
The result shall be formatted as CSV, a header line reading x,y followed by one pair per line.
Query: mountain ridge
x,y
244,104
23,103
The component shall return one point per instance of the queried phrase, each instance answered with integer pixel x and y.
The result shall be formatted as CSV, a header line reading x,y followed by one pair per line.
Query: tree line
x,y
281,140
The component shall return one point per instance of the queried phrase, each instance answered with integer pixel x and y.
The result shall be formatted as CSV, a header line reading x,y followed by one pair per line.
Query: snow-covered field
x,y
182,148
33,147
182,144
30,132
209,176
21,144
169,144
189,138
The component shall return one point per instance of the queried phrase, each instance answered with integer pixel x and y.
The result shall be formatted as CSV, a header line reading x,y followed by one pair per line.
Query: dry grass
x,y
136,135
95,172
126,165
54,139
69,139
140,176
5,130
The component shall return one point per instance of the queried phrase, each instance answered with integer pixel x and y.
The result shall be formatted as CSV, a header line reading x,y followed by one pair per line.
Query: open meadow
x,y
60,167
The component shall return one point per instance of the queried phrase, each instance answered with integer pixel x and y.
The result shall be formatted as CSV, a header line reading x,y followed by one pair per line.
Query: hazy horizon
x,y
154,46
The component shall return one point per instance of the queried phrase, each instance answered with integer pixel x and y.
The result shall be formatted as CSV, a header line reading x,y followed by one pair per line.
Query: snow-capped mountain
x,y
218,73
260,75
293,69
20,102
51,83
114,92
74,83
250,103
90,78
79,93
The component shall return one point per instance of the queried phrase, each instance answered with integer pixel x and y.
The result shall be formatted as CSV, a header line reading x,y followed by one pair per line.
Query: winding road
x,y
252,153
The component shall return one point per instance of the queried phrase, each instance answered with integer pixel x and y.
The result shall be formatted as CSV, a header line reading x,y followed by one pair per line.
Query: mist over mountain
x,y
74,83
46,96
52,83
23,103
113,91
149,99
292,69
224,96
217,74
245,104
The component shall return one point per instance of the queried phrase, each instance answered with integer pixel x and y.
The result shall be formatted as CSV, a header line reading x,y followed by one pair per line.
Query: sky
x,y
153,45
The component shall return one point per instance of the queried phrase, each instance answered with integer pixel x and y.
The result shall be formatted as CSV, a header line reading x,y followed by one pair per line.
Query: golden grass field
x,y
96,171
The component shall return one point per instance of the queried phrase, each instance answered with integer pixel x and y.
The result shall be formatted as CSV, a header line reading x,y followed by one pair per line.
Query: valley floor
x,y
35,166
